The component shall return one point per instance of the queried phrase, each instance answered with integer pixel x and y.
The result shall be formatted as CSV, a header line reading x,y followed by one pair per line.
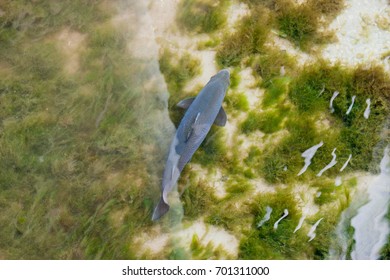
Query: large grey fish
x,y
202,111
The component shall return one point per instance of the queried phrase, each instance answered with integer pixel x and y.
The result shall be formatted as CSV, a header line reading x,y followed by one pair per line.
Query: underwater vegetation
x,y
82,150
201,16
74,153
300,23
249,38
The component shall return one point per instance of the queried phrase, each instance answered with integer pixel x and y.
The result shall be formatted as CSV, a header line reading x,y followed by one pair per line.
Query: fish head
x,y
224,74
221,80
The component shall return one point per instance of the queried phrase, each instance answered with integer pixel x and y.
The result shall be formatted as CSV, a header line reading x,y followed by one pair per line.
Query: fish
x,y
203,111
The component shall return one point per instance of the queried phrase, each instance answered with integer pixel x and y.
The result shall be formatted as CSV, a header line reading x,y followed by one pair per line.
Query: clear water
x,y
87,114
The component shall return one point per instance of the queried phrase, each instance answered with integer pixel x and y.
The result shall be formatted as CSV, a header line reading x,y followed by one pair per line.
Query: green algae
x,y
260,242
271,62
71,172
68,171
201,16
297,23
197,199
251,34
236,101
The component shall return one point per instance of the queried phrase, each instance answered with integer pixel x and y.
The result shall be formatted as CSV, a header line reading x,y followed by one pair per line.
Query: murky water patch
x,y
366,216
370,223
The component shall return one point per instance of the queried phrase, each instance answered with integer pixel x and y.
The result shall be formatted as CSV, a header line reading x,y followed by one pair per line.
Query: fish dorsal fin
x,y
192,127
185,103
221,118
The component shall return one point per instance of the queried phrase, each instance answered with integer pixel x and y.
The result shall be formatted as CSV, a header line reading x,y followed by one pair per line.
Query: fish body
x,y
203,111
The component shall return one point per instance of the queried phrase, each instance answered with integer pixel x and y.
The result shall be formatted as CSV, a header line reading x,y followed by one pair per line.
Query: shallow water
x,y
87,109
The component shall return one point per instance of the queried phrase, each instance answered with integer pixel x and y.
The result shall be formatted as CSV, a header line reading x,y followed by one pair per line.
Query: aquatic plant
x,y
197,198
178,70
251,34
327,7
262,242
298,23
270,62
236,101
201,16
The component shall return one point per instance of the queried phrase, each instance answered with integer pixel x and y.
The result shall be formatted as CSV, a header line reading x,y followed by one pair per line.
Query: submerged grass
x,y
260,242
78,150
201,16
177,70
73,148
251,34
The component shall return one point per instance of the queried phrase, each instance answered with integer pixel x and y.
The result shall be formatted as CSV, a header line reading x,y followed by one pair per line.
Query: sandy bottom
x,y
71,43
363,36
206,234
363,32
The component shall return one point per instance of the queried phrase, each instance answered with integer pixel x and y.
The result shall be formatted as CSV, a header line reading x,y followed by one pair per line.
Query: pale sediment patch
x,y
240,141
152,242
236,12
206,234
305,199
255,138
218,182
288,47
360,33
323,123
248,86
230,131
214,177
163,14
71,43
261,186
208,66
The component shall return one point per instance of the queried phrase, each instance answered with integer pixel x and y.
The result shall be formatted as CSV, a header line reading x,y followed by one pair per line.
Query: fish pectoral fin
x,y
221,118
185,103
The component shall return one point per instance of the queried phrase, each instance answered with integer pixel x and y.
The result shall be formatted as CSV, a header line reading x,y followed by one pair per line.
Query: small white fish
x,y
367,111
278,221
346,163
331,101
350,106
312,230
318,194
308,155
300,223
331,164
266,216
322,90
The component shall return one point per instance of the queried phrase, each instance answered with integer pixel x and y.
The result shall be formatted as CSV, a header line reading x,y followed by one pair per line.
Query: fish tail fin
x,y
160,209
